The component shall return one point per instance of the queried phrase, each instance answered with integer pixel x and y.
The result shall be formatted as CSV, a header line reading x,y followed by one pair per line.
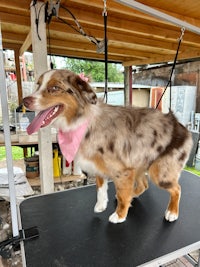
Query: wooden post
x,y
128,85
18,75
39,47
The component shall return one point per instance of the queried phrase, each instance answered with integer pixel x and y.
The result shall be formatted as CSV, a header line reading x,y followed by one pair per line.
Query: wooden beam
x,y
144,27
89,47
120,36
143,30
13,18
15,4
26,44
85,55
162,59
14,37
11,46
18,74
93,20
119,10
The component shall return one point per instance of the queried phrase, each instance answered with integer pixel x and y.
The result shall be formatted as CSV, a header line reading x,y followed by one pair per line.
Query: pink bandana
x,y
69,142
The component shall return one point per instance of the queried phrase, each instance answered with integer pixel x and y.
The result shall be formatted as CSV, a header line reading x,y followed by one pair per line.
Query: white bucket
x,y
197,163
76,167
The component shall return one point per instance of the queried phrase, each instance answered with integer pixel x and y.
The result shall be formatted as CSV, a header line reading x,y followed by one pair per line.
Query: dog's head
x,y
61,97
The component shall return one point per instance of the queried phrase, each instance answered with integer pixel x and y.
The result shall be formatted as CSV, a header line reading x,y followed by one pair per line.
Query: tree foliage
x,y
95,69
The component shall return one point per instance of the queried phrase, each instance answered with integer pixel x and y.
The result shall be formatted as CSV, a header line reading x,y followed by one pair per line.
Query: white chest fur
x,y
88,166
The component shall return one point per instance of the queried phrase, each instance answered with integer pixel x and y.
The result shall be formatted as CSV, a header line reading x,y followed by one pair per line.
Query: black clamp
x,y
24,235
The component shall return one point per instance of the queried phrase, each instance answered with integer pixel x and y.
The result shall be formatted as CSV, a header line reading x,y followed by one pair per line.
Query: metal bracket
x,y
51,9
101,46
24,235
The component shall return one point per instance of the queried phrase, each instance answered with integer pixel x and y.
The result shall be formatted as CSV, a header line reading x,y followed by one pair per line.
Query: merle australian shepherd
x,y
116,142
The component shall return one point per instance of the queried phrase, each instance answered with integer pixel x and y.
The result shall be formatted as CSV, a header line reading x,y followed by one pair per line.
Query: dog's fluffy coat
x,y
121,143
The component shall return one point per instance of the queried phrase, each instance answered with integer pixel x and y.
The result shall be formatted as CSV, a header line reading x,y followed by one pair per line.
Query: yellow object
x,y
23,109
56,164
24,120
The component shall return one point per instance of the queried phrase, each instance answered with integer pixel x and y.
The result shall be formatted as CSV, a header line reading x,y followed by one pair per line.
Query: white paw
x,y
171,217
100,206
102,198
114,218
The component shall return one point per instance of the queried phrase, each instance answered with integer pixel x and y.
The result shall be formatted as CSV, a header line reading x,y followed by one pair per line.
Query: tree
x,y
95,69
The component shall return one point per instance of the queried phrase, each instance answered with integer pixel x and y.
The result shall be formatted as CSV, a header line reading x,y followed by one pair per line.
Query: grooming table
x,y
72,235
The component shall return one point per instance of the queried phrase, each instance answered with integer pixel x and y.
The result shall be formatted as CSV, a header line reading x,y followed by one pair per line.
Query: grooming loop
x,y
173,68
182,33
105,8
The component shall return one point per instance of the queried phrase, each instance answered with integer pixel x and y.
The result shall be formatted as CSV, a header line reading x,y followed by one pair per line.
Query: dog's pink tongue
x,y
38,120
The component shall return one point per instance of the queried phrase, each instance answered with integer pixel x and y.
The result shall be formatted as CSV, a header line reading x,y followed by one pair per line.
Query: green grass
x,y
17,153
193,170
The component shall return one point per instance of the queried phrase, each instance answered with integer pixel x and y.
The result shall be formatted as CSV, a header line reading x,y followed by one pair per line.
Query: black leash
x,y
105,52
172,70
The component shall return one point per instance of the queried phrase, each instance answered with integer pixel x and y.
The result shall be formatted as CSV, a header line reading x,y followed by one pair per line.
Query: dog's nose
x,y
27,101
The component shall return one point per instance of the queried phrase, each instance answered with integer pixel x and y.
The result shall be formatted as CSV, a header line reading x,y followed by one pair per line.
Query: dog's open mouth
x,y
44,118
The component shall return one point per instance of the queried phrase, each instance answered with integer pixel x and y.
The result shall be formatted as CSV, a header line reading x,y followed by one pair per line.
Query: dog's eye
x,y
69,91
53,89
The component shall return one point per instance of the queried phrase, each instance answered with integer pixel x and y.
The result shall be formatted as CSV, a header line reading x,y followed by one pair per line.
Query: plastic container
x,y
56,164
66,168
21,123
24,122
32,167
76,167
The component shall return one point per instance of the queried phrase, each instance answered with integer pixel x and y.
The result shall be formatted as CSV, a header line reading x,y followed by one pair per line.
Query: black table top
x,y
71,234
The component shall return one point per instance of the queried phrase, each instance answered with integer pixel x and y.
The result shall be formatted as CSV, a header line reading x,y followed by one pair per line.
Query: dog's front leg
x,y
102,195
124,193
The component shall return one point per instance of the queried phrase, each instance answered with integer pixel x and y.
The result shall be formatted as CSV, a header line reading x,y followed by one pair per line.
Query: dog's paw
x,y
100,206
114,218
171,217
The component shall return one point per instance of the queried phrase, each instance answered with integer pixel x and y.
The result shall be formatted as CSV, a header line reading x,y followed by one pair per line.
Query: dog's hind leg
x,y
141,184
166,176
124,192
102,195
172,212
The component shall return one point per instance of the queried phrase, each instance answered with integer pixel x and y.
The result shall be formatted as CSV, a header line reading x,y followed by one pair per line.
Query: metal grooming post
x,y
7,138
158,14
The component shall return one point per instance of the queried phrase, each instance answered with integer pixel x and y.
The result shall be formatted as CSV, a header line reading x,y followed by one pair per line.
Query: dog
x,y
112,142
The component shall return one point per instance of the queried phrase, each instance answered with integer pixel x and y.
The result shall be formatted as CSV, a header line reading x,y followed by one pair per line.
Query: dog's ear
x,y
85,90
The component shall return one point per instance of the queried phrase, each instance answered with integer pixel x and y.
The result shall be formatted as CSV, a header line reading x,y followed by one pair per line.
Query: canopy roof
x,y
134,38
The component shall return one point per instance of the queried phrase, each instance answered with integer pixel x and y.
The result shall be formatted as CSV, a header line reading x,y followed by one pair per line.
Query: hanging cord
x,y
78,27
172,70
105,52
49,43
101,45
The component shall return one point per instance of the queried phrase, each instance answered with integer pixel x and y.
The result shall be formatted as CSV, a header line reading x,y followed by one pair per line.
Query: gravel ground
x,y
5,225
14,259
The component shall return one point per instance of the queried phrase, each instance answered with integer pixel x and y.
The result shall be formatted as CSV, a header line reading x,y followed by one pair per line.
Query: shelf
x,y
35,182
